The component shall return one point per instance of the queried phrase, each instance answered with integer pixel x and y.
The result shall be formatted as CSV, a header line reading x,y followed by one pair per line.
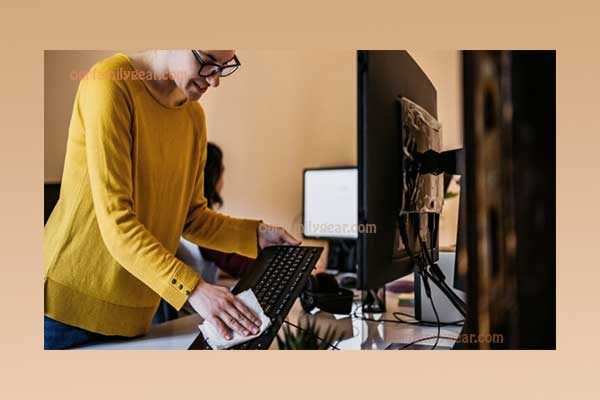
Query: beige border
x,y
28,372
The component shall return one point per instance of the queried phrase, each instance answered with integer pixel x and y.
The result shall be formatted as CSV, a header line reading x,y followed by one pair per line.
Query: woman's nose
x,y
213,80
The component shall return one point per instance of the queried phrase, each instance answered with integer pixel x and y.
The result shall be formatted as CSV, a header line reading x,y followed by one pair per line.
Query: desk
x,y
357,334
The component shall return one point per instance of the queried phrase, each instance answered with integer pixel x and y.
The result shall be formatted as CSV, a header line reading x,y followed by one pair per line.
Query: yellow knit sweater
x,y
132,186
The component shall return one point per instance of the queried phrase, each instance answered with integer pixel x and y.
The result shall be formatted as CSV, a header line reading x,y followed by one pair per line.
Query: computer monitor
x,y
330,206
330,212
384,78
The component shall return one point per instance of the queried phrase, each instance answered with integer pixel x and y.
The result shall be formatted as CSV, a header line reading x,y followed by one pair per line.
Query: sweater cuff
x,y
180,286
247,237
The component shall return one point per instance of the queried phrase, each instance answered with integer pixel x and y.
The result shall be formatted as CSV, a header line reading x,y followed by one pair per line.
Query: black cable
x,y
425,275
460,322
333,346
423,271
437,317
428,257
424,339
399,320
405,314
393,321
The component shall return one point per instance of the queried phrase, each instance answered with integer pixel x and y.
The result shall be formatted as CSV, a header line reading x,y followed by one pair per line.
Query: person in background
x,y
205,261
232,263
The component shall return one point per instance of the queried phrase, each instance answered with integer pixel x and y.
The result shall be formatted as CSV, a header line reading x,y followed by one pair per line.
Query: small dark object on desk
x,y
347,280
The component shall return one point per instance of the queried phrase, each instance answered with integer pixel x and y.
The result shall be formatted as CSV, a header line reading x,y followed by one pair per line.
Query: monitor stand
x,y
435,275
373,300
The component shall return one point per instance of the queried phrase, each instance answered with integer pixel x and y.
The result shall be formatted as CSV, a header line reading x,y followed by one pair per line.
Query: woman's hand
x,y
217,305
269,235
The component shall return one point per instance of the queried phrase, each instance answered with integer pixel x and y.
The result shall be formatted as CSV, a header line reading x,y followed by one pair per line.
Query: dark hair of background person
x,y
212,173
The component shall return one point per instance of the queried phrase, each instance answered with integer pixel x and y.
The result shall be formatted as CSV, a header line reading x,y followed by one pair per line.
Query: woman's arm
x,y
208,228
106,112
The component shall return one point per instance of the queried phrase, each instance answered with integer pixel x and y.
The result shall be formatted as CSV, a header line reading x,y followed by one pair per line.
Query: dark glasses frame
x,y
218,68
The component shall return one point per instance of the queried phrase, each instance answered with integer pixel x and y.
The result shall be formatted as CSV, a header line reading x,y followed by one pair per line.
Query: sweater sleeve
x,y
106,111
213,230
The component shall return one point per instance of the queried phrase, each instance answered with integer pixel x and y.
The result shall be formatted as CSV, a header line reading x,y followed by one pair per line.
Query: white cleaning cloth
x,y
218,342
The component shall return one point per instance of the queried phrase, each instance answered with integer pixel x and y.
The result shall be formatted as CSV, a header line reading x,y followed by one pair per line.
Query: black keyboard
x,y
276,277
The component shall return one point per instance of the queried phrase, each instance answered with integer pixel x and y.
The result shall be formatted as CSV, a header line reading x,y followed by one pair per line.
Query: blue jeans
x,y
59,336
165,312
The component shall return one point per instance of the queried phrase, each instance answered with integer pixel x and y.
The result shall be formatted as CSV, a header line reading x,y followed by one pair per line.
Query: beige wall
x,y
286,111
59,94
282,112
444,69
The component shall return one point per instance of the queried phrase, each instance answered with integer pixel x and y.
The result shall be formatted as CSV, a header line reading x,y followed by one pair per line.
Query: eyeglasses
x,y
209,68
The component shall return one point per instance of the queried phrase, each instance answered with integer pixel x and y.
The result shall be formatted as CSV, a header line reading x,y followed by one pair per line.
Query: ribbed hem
x,y
71,307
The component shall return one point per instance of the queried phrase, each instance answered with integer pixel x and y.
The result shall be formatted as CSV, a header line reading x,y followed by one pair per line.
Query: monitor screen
x,y
330,203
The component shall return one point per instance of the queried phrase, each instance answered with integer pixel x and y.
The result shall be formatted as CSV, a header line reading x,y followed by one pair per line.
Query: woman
x,y
132,186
